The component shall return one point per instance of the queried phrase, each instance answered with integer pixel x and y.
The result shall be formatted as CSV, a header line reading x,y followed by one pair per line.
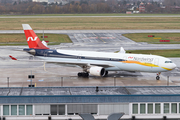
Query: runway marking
x,y
99,38
107,37
44,66
40,80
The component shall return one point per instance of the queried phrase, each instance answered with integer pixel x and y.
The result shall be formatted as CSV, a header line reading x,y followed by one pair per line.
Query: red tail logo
x,y
32,39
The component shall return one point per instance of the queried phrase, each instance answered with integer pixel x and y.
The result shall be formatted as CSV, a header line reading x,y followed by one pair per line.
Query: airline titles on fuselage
x,y
141,59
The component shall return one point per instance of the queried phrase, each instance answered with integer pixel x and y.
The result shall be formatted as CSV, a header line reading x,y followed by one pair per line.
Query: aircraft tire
x,y
80,74
87,74
157,77
83,74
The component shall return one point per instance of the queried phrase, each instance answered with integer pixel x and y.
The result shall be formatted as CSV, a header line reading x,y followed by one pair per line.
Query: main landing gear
x,y
83,74
106,74
157,77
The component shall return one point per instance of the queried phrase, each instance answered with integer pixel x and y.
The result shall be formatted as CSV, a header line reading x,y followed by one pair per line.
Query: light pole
x,y
8,81
61,81
167,80
114,80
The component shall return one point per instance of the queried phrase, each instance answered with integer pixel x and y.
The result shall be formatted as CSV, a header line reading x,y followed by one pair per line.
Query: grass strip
x,y
143,37
20,39
91,23
165,53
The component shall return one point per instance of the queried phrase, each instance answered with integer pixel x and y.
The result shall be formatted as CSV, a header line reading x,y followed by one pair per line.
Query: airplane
x,y
95,63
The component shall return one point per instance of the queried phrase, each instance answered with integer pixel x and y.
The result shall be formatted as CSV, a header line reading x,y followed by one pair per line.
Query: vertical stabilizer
x,y
32,39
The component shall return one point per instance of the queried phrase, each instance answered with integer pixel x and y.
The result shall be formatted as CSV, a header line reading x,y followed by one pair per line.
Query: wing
x,y
75,62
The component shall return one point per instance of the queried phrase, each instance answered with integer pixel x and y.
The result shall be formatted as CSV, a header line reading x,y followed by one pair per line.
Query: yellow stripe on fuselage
x,y
166,68
140,63
144,64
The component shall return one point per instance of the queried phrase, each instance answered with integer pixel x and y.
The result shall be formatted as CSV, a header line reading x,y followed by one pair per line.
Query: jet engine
x,y
97,71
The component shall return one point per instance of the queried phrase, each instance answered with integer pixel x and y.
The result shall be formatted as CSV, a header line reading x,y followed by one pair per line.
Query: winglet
x,y
13,58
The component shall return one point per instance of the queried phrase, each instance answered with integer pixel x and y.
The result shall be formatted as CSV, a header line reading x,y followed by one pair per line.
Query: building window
x,y
61,109
53,109
142,108
135,108
174,108
13,109
105,109
5,109
42,109
21,109
157,108
84,108
150,108
29,110
166,107
57,109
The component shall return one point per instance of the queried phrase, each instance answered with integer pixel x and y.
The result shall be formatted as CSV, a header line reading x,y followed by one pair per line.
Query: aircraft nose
x,y
173,66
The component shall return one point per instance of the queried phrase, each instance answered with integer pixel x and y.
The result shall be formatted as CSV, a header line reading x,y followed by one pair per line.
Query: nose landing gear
x,y
158,76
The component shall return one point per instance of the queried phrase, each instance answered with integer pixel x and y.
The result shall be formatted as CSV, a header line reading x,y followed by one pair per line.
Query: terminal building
x,y
64,103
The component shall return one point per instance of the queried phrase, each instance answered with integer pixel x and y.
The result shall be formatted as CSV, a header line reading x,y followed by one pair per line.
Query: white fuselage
x,y
116,61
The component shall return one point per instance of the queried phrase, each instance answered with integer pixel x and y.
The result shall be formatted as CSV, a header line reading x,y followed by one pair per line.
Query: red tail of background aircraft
x,y
32,39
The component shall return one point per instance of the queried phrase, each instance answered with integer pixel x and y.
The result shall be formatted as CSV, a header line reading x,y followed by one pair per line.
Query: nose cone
x,y
173,66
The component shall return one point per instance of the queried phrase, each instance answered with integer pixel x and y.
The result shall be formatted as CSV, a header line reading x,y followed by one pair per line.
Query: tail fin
x,y
32,39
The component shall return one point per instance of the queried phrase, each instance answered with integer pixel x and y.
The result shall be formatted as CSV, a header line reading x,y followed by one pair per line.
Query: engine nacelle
x,y
97,71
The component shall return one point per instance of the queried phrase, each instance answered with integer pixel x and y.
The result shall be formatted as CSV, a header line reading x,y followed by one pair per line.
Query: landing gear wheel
x,y
83,74
157,78
79,74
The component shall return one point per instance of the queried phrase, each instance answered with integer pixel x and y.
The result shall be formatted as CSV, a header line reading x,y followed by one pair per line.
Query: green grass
x,y
165,53
20,39
91,23
143,37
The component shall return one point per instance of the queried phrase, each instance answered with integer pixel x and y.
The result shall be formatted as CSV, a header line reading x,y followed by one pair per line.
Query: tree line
x,y
86,6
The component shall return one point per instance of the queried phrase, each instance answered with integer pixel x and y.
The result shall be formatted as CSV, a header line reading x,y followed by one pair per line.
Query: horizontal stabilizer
x,y
13,58
44,43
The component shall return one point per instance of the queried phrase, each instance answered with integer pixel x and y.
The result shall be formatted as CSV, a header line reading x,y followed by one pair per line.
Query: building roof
x,y
130,90
90,94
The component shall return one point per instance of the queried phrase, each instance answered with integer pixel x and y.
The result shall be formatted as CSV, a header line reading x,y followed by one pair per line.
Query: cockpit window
x,y
168,61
